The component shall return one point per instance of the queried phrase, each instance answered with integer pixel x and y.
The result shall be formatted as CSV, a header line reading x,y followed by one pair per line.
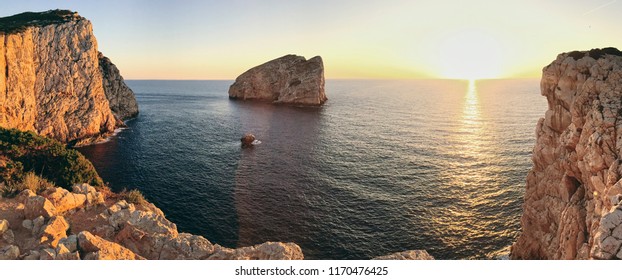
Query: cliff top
x,y
19,22
595,53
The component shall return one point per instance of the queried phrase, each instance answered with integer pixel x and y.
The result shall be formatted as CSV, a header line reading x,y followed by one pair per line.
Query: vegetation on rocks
x,y
134,196
23,152
20,22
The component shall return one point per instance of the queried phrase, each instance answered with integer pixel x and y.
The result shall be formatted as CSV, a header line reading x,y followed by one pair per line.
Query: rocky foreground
x,y
54,81
87,224
573,199
290,79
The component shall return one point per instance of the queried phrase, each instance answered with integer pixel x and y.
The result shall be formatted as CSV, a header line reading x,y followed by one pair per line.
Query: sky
x,y
357,39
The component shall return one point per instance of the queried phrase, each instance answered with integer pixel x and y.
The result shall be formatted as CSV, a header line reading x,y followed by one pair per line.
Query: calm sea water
x,y
383,166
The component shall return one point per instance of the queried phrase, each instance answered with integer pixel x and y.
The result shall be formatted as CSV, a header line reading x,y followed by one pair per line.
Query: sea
x,y
384,166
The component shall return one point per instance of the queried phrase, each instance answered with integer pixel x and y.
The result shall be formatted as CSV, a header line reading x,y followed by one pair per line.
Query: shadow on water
x,y
271,181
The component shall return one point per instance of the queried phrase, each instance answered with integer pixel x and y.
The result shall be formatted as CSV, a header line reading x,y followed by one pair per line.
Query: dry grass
x,y
30,181
35,183
134,196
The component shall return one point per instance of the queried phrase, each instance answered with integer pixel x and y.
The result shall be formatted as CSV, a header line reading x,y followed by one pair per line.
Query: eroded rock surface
x,y
572,198
119,95
290,79
407,255
95,227
51,81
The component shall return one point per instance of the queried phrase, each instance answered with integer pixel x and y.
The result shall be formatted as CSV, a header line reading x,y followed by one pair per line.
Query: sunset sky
x,y
357,39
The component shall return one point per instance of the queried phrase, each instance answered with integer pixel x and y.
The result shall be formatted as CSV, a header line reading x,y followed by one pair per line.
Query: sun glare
x,y
470,55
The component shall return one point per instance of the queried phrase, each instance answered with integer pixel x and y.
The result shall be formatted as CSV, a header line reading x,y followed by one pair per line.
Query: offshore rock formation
x,y
290,79
572,207
85,224
53,80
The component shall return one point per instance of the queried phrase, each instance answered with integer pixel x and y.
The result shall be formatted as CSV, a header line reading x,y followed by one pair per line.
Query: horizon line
x,y
352,79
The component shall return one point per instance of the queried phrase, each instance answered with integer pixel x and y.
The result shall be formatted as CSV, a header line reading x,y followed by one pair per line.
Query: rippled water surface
x,y
383,166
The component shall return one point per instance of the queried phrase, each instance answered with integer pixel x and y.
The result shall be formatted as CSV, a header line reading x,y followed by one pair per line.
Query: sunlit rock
x,y
573,190
289,79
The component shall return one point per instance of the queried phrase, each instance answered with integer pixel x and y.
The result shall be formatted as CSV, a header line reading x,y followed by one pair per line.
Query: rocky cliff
x,y
290,79
88,224
53,80
120,97
572,207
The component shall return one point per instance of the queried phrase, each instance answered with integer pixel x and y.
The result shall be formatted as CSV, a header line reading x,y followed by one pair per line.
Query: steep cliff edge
x,y
52,82
290,79
120,96
572,207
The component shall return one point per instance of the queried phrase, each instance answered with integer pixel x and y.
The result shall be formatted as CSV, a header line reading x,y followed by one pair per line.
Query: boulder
x,y
33,255
27,224
97,248
105,231
247,140
9,252
152,223
8,236
264,251
93,197
36,206
63,200
407,255
47,254
289,79
69,242
4,226
37,225
73,256
21,198
187,247
54,231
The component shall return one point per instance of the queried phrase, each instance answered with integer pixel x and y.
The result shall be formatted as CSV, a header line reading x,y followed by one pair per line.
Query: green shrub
x,y
27,151
19,22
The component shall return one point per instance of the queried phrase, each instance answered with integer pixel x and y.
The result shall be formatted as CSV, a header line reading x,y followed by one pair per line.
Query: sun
x,y
470,55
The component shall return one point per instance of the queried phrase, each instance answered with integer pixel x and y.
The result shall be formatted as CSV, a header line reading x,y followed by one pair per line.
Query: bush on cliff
x,y
30,181
19,22
134,196
22,151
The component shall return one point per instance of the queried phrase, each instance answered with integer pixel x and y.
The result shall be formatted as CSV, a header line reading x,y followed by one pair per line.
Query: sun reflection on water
x,y
466,177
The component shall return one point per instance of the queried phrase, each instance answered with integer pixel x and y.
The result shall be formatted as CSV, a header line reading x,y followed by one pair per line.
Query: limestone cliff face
x,y
572,206
51,81
119,95
290,79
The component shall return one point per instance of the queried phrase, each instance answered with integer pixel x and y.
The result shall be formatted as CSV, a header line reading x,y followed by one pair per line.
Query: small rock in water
x,y
247,140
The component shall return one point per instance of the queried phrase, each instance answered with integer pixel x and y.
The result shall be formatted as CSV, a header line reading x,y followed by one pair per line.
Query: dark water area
x,y
382,167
